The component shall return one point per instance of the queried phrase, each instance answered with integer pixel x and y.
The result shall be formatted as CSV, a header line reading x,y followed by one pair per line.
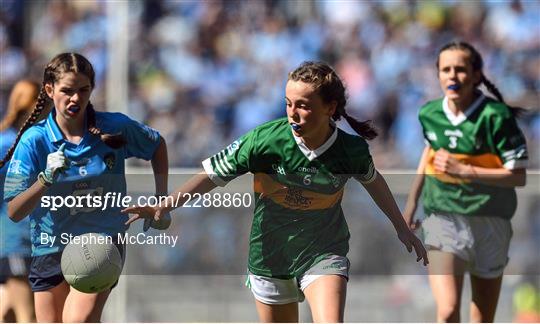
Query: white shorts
x,y
275,291
482,242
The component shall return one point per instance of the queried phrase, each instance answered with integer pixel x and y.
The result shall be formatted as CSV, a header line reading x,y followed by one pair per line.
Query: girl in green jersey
x,y
299,237
475,156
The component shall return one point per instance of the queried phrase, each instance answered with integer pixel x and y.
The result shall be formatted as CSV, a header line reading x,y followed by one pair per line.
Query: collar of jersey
x,y
461,117
312,155
55,134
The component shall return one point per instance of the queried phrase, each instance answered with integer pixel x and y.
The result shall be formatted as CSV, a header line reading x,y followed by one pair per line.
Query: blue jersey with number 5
x,y
94,170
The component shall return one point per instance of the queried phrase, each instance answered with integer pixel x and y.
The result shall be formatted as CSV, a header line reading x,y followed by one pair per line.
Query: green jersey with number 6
x,y
298,218
486,135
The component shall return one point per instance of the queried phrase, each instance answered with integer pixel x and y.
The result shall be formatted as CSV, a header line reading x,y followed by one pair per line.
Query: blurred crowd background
x,y
204,72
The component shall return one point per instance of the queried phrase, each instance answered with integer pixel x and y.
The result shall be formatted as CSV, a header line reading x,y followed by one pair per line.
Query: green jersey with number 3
x,y
298,218
486,135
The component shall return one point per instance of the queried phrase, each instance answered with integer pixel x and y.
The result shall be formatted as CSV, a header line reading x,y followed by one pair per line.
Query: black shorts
x,y
46,271
15,265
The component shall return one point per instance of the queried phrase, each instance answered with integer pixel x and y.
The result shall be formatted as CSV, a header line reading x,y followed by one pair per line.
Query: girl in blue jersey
x,y
15,249
75,151
470,197
286,221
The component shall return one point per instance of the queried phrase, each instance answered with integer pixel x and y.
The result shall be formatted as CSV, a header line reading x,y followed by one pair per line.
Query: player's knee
x,y
79,317
50,317
8,316
448,313
482,317
328,318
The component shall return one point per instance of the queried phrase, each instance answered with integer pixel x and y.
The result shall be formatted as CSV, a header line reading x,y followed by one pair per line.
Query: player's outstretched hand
x,y
411,241
155,214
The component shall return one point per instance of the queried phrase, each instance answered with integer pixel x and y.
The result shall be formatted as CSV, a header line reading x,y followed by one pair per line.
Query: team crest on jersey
x,y
110,160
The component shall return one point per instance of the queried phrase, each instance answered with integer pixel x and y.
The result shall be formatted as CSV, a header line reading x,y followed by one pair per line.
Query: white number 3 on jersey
x,y
453,142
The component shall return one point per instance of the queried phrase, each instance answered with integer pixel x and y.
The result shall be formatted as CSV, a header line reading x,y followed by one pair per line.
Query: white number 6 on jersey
x,y
307,179
82,171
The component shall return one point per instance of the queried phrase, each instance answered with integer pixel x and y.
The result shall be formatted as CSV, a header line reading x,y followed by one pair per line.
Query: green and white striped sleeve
x,y
230,162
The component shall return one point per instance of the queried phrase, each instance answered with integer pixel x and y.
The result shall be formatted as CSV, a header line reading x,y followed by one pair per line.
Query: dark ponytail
x,y
492,88
41,105
516,111
330,87
364,129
